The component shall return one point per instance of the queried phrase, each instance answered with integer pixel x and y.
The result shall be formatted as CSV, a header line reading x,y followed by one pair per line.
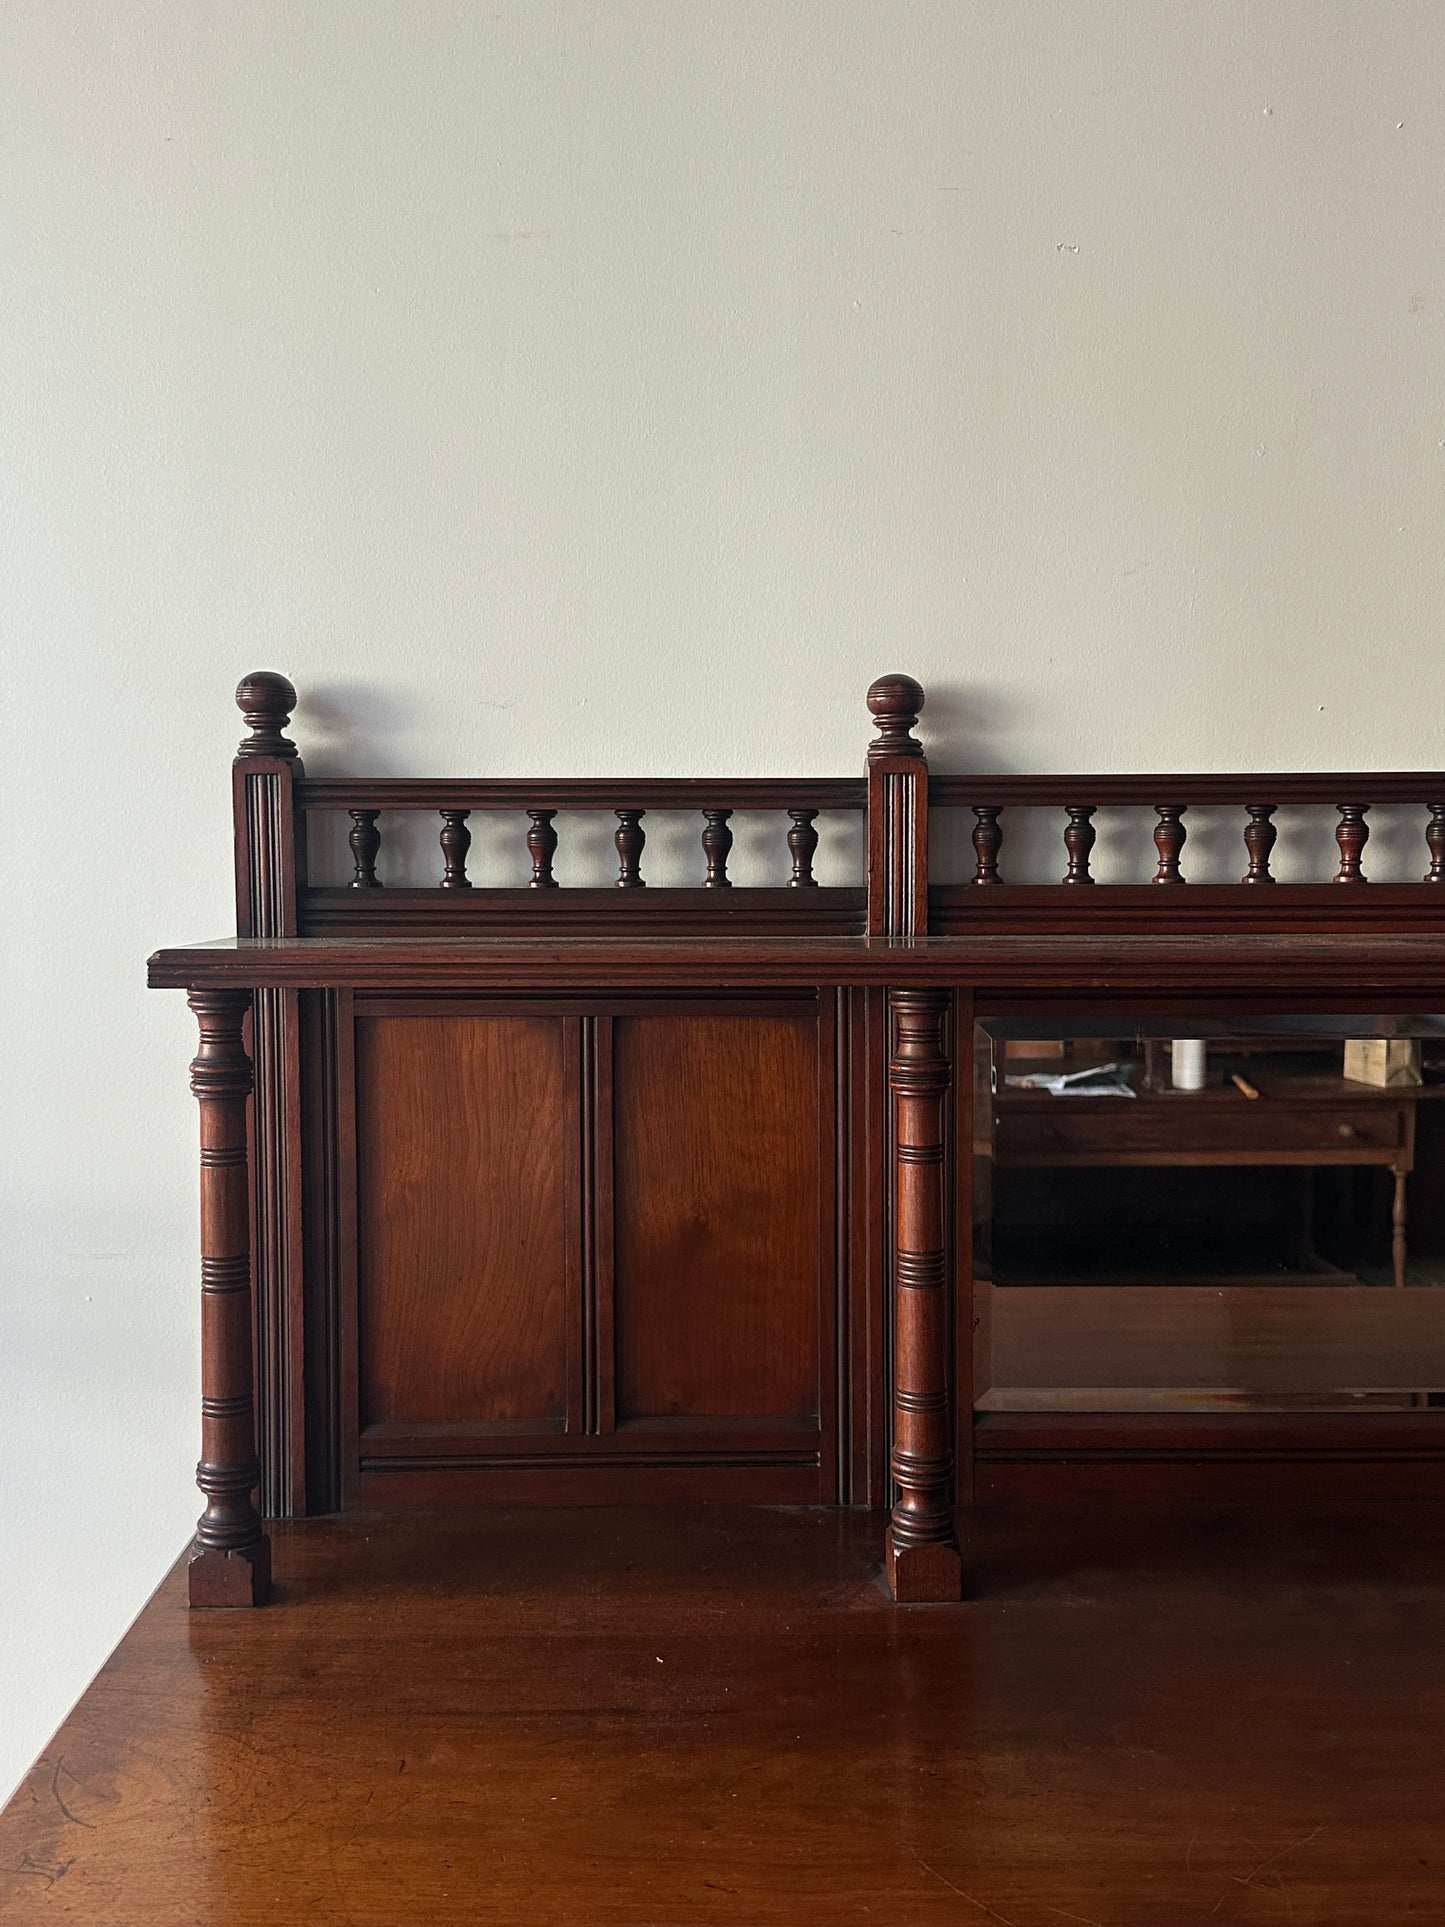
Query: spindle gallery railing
x,y
1259,798
893,898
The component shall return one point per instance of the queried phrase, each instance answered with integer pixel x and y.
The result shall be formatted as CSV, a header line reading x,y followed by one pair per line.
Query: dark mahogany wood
x,y
566,1195
230,1558
1145,1716
364,840
717,841
1169,838
987,842
463,1255
266,701
922,1558
717,1266
541,848
802,847
1352,833
630,838
1435,841
456,840
1079,836
897,871
269,829
1259,840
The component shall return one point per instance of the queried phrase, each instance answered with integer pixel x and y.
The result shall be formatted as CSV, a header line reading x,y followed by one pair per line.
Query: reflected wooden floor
x,y
1143,1717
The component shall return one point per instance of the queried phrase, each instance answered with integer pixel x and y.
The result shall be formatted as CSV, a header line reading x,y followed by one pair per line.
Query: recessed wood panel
x,y
716,1291
462,1223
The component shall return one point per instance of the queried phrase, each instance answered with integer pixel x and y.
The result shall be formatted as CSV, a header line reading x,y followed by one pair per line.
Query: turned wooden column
x,y
230,1555
922,1557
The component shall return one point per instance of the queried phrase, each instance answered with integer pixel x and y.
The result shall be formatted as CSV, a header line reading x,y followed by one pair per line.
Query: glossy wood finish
x,y
921,1556
461,1187
1341,969
716,1209
1143,1717
230,1557
719,1402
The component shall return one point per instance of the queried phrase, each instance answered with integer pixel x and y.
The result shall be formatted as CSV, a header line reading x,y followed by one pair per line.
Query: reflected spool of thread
x,y
1187,1056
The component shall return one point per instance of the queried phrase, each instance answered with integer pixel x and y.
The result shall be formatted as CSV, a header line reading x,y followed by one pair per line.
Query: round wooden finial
x,y
895,702
266,700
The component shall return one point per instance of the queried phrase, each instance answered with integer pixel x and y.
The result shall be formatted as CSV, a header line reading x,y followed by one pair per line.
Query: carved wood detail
x,y
1079,838
456,840
1260,834
541,847
1169,837
802,847
230,1562
1352,833
717,841
364,840
987,842
922,1557
630,838
1435,842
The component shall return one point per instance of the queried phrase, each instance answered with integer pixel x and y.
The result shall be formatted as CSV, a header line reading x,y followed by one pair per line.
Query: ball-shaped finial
x,y
266,700
895,702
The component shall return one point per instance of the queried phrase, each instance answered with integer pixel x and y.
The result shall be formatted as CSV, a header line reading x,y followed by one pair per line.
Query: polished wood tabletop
x,y
623,1718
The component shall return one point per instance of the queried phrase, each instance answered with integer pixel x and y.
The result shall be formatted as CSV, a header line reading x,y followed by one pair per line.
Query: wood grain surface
x,y
461,1219
716,1261
1143,1718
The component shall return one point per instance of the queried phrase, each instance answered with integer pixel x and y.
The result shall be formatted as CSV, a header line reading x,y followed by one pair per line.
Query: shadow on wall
x,y
354,728
962,723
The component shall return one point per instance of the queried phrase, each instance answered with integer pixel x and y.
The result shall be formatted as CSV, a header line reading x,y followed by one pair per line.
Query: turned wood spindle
x,y
230,1558
365,841
922,1554
456,840
1435,842
1169,837
630,839
541,847
987,842
1079,838
717,840
1260,834
802,848
1352,833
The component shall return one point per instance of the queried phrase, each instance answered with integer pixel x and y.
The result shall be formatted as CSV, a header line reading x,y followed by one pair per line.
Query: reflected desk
x,y
1296,1120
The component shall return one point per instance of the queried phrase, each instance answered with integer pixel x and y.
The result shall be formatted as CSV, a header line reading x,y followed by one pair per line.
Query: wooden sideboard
x,y
529,1193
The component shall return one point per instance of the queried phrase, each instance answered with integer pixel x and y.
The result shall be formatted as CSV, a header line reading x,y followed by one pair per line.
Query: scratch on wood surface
x,y
972,1899
48,1874
1270,1867
61,1767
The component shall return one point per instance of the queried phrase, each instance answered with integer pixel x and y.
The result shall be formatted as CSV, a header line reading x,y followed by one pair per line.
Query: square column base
x,y
230,1578
923,1575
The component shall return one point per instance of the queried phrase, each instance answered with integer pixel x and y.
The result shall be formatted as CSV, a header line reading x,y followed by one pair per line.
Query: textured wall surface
x,y
618,387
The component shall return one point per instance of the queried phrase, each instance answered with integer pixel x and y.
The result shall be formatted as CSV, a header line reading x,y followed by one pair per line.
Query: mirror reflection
x,y
1245,1218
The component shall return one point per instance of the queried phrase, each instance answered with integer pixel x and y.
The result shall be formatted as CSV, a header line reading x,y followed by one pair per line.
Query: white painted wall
x,y
618,387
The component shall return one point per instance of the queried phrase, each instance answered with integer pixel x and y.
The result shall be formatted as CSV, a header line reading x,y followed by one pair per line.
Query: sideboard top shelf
x,y
1276,963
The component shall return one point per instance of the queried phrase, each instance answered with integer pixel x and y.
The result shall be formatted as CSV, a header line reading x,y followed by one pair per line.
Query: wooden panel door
x,y
717,1308
462,1221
